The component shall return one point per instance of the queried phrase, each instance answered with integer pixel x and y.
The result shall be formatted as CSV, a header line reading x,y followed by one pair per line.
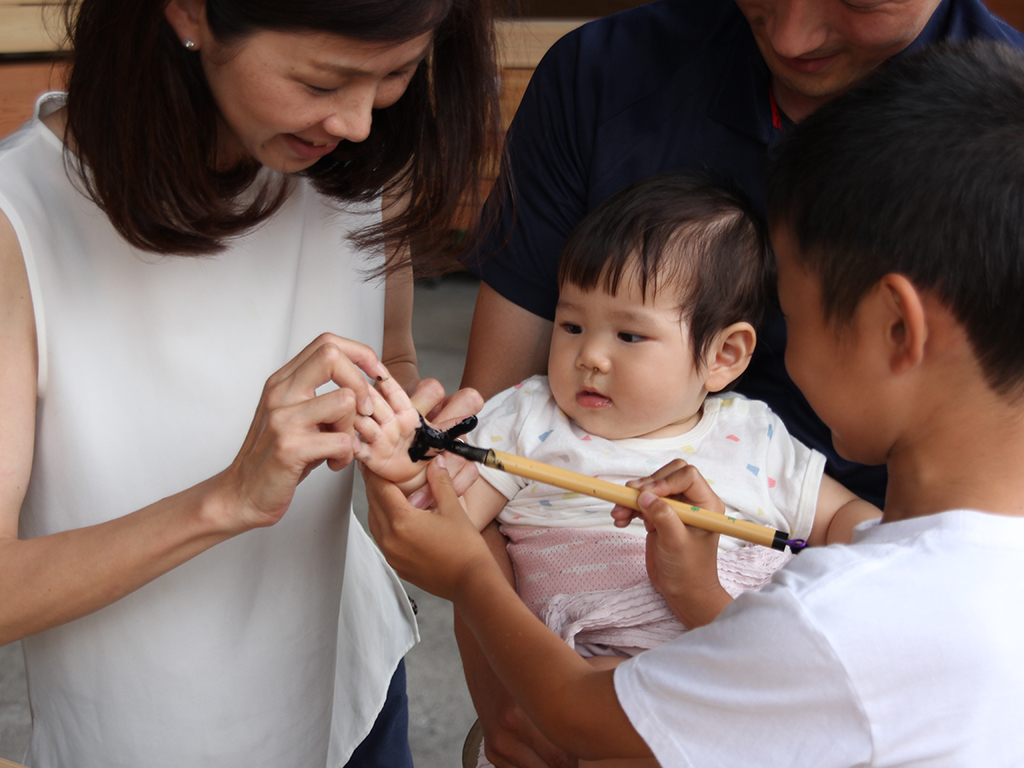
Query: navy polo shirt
x,y
673,85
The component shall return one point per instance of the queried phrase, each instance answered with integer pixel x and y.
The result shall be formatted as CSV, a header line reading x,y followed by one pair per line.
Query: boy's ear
x,y
729,355
905,328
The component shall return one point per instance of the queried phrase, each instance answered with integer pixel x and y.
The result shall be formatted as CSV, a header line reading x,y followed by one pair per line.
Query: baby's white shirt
x,y
740,446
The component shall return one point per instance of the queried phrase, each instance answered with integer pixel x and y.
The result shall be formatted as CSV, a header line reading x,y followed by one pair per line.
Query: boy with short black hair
x,y
897,216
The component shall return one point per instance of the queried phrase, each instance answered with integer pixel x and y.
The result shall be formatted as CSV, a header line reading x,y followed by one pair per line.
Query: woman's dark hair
x,y
683,232
918,171
143,122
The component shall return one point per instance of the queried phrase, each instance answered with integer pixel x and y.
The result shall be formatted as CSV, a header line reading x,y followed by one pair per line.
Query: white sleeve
x,y
759,686
500,422
798,469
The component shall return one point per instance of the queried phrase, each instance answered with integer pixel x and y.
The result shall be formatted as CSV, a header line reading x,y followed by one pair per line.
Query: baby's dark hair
x,y
919,171
682,232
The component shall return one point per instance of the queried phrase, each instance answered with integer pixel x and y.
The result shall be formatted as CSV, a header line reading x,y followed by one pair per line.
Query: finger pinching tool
x,y
429,439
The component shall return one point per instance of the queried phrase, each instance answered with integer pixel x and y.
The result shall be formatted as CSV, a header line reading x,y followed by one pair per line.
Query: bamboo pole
x,y
619,494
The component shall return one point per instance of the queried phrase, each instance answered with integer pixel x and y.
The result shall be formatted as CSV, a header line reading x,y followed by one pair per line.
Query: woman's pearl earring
x,y
190,44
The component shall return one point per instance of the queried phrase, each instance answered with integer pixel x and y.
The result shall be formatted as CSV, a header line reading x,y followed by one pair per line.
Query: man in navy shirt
x,y
677,84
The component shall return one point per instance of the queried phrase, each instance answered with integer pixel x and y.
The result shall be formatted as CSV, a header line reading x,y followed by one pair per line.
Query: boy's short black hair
x,y
682,232
919,171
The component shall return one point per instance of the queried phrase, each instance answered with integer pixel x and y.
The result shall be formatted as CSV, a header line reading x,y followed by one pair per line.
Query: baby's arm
x,y
482,502
839,510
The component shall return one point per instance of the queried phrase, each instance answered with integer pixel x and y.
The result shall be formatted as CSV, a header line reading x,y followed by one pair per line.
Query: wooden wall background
x,y
1010,11
30,63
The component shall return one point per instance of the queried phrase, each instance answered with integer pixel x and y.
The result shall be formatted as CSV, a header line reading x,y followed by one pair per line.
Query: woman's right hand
x,y
295,429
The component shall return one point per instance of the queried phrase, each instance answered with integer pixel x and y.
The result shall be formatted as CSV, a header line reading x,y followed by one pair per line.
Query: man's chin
x,y
819,87
799,96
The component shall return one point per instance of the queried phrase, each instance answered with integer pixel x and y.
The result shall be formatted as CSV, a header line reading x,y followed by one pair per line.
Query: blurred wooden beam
x,y
522,42
21,83
30,27
1010,11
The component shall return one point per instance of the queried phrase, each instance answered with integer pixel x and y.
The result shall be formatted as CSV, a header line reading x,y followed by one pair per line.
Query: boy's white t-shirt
x,y
740,446
900,649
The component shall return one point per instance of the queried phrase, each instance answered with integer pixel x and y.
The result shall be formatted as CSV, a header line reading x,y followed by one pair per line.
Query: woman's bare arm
x,y
398,352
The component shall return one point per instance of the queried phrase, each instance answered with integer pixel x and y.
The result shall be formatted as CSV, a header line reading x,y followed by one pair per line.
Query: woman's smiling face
x,y
286,99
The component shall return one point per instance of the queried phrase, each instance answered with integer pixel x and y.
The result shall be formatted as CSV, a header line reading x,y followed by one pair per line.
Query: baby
x,y
661,289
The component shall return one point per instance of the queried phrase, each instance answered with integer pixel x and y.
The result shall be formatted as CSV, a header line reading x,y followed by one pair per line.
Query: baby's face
x,y
621,367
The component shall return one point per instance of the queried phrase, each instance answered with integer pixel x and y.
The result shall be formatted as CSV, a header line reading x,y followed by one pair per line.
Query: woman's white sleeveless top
x,y
274,648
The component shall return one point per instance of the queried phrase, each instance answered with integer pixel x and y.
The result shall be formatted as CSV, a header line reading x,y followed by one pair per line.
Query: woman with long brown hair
x,y
195,230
